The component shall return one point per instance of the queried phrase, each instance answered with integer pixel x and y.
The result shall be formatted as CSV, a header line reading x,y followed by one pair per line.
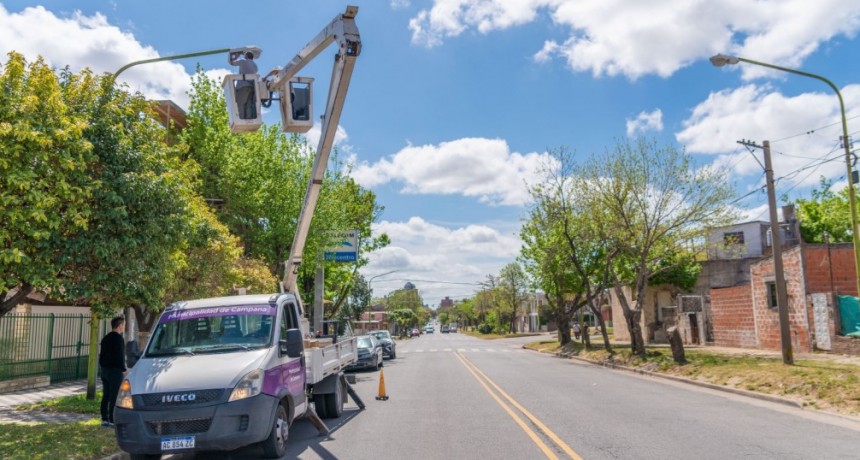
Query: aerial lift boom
x,y
296,107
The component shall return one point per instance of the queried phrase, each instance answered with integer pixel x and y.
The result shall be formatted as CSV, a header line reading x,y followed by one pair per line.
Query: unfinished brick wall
x,y
819,264
732,317
767,318
846,345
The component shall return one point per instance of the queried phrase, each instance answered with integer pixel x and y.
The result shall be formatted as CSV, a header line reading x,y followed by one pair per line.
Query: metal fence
x,y
56,345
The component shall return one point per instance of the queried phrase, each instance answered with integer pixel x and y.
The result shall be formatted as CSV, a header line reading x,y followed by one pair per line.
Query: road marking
x,y
446,349
567,449
433,350
531,434
475,349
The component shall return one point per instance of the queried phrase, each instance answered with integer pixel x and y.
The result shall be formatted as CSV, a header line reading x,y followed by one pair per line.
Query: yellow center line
x,y
549,433
534,437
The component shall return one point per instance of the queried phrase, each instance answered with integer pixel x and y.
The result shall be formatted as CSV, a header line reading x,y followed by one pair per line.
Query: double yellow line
x,y
484,381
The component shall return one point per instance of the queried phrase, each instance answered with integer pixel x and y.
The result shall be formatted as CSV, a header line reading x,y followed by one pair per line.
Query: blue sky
x,y
453,103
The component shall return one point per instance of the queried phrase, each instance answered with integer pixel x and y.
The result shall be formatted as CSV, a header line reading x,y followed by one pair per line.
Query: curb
x,y
712,386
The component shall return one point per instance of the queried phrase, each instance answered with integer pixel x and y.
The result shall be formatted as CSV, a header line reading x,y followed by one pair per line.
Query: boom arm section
x,y
343,31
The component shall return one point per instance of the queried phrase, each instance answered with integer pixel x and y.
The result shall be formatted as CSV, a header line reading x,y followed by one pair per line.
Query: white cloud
x,y
804,130
473,167
645,121
399,4
620,37
78,41
437,258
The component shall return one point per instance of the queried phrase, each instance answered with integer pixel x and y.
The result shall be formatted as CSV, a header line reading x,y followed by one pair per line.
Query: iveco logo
x,y
178,397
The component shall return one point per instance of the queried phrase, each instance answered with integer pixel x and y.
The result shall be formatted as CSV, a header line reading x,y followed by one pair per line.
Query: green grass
x,y
495,336
49,441
823,384
76,404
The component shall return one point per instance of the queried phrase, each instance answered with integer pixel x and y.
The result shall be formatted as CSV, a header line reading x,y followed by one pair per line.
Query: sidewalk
x,y
8,402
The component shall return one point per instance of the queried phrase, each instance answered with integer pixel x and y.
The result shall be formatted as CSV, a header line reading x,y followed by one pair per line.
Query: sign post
x,y
346,248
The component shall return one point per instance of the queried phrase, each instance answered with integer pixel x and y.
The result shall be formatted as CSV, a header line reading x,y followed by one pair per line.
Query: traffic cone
x,y
382,396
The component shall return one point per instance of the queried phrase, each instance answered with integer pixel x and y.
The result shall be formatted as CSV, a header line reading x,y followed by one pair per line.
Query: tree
x,y
562,251
46,185
825,212
513,285
139,215
359,298
649,201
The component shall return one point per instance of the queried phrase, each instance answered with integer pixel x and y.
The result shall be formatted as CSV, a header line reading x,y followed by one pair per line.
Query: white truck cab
x,y
227,372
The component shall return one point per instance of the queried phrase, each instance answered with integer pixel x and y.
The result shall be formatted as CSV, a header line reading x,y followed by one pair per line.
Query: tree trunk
x,y
6,305
563,335
145,318
677,345
602,324
637,342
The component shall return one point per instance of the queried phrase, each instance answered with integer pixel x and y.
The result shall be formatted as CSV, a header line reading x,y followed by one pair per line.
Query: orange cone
x,y
382,396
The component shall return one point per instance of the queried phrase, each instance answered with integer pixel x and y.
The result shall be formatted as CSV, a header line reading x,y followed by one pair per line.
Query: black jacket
x,y
112,354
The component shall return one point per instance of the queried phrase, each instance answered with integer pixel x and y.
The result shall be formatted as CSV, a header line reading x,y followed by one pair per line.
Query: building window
x,y
771,295
732,238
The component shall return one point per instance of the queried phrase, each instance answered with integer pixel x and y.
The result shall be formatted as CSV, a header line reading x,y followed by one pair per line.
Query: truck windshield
x,y
215,330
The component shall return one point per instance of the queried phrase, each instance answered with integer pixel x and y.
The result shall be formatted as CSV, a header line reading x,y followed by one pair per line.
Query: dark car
x,y
369,353
389,348
444,329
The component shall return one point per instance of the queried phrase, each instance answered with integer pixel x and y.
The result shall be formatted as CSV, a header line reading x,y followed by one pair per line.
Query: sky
x,y
455,104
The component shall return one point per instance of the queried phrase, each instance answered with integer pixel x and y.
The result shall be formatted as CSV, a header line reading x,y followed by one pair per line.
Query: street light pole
x,y
720,60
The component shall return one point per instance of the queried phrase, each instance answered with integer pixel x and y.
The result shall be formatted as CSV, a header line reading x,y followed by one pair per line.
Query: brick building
x,y
746,316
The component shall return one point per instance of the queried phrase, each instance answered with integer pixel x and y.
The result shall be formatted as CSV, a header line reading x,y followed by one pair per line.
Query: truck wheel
x,y
320,406
334,402
275,446
145,456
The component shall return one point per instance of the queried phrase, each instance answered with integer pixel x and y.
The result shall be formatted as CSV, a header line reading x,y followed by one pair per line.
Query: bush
x,y
485,328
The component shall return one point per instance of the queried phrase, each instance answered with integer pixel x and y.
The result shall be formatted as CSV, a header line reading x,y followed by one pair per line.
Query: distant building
x,y
446,302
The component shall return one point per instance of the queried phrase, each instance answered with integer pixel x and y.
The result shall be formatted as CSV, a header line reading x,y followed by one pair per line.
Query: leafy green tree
x,y
359,298
46,183
139,216
826,212
649,201
513,290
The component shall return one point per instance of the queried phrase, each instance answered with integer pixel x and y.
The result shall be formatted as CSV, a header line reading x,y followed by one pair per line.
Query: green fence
x,y
56,345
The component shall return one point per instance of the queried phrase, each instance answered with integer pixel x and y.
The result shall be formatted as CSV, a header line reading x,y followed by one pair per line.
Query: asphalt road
x,y
453,396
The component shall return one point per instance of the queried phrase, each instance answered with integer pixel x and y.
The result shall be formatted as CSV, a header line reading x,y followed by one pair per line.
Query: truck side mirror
x,y
293,344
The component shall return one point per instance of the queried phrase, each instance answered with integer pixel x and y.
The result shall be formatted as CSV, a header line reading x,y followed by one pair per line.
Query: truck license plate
x,y
186,442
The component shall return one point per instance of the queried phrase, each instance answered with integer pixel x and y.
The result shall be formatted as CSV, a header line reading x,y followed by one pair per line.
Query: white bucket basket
x,y
297,108
243,118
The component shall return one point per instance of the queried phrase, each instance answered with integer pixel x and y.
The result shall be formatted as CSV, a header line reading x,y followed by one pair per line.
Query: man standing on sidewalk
x,y
112,362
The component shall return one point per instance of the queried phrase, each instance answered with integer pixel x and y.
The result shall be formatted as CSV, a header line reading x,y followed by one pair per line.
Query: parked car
x,y
452,328
415,332
389,348
428,330
369,353
444,329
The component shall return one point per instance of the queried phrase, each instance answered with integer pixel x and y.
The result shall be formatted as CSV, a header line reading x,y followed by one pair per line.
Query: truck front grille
x,y
153,400
188,426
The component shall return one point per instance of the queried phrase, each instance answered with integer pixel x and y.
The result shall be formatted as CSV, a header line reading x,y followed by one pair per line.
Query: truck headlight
x,y
250,385
123,398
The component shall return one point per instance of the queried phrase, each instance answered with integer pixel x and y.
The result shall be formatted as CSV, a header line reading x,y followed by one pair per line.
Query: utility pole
x,y
779,273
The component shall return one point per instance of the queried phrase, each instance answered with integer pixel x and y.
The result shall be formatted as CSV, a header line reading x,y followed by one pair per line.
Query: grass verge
x,y
494,336
75,441
819,384
76,404
80,440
